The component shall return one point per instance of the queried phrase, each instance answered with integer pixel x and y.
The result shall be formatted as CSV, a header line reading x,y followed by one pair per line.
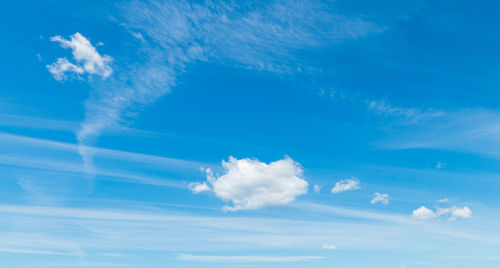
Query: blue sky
x,y
249,134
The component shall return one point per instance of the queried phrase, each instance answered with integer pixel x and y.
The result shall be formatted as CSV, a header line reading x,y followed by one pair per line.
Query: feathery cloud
x,y
403,115
171,35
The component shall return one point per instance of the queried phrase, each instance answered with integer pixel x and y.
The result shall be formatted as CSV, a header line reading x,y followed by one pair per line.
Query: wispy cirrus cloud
x,y
466,130
403,115
174,34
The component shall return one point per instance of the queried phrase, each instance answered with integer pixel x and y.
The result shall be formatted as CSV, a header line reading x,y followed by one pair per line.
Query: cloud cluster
x,y
455,213
346,185
252,184
88,60
382,198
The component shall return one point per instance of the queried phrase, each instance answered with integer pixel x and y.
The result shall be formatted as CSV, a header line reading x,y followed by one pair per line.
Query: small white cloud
x,y
440,165
317,188
252,184
88,60
62,66
382,198
464,213
444,200
346,185
328,247
197,187
423,213
138,36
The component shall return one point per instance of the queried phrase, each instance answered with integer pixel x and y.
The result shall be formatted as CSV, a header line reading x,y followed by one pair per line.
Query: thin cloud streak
x,y
102,152
212,258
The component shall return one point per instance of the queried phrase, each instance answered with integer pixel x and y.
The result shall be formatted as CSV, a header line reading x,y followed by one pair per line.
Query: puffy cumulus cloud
x,y
424,213
464,213
88,60
251,184
328,247
382,198
197,187
346,185
317,188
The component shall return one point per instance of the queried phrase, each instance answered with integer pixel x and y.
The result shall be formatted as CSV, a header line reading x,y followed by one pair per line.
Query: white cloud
x,y
62,66
346,185
464,213
252,184
88,60
197,187
423,213
328,247
444,200
440,165
317,188
382,198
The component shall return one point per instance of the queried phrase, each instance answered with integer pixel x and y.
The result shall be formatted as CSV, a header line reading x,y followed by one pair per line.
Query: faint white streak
x,y
102,152
328,247
207,258
32,251
405,116
468,130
